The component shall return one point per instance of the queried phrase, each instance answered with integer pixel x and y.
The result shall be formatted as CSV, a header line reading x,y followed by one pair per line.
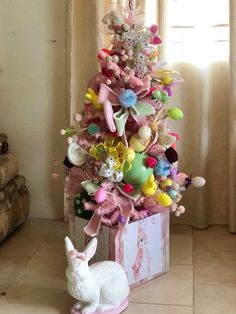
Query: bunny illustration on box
x,y
142,263
99,288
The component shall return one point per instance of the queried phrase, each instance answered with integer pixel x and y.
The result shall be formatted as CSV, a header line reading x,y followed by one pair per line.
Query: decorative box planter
x,y
142,247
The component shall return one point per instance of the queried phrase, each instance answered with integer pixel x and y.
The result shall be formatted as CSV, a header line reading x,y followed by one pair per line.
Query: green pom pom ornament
x,y
93,128
162,96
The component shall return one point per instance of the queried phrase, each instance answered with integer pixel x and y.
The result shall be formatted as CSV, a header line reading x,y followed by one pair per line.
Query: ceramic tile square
x,y
135,308
38,295
19,246
58,233
215,267
181,245
174,288
49,260
10,267
215,238
36,223
215,299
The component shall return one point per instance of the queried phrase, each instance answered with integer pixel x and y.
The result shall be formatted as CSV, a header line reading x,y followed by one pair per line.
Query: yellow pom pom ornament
x,y
164,199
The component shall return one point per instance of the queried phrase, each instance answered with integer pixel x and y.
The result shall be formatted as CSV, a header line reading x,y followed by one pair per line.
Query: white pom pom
x,y
181,209
173,207
77,117
70,140
115,59
177,213
62,132
198,182
124,57
144,132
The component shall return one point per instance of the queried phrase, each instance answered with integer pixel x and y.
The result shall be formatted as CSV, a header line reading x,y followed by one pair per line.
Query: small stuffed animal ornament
x,y
99,288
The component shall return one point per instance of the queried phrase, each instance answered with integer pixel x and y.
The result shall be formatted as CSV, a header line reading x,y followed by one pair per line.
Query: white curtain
x,y
232,120
208,131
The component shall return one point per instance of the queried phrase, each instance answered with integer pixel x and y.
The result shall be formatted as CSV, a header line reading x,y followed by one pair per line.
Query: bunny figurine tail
x,y
115,310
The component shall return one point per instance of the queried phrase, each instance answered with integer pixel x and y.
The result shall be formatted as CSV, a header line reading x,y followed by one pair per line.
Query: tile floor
x,y
202,278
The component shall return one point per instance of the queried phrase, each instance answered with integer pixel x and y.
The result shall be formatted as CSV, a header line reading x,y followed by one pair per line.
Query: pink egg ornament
x,y
100,195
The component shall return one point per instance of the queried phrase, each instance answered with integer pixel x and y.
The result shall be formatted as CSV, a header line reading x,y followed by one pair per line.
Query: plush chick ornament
x,y
150,187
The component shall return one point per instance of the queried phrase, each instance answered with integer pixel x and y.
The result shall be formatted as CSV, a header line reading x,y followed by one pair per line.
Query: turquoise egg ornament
x,y
138,173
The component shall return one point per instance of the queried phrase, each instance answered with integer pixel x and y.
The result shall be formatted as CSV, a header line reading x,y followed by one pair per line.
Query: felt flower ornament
x,y
129,101
115,154
167,77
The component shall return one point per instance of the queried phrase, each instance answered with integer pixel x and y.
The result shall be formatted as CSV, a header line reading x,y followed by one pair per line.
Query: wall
x,y
33,93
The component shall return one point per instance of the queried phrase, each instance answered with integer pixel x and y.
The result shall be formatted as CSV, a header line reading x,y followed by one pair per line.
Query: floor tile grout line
x,y
166,304
215,284
177,264
216,251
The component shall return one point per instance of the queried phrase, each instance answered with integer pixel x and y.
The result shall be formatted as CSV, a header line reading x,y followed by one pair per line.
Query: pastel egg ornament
x,y
198,182
164,199
175,113
138,144
139,172
144,132
100,195
76,154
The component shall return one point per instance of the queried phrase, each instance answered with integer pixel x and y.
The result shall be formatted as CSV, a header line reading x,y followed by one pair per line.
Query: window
x,y
197,31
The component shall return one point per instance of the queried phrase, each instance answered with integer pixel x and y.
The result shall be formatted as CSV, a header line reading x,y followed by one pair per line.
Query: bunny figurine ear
x,y
90,249
68,246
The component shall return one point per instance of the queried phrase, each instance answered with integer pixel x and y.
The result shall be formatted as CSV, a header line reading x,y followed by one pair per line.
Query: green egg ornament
x,y
139,173
175,113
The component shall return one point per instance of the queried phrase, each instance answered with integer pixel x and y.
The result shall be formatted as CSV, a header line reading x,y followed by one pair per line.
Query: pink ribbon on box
x,y
124,203
109,99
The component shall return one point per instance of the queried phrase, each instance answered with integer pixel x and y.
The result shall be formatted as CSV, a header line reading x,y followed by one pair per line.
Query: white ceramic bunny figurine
x,y
99,288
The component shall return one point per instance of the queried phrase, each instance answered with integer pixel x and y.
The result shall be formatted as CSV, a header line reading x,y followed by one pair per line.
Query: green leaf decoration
x,y
90,187
120,118
143,109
